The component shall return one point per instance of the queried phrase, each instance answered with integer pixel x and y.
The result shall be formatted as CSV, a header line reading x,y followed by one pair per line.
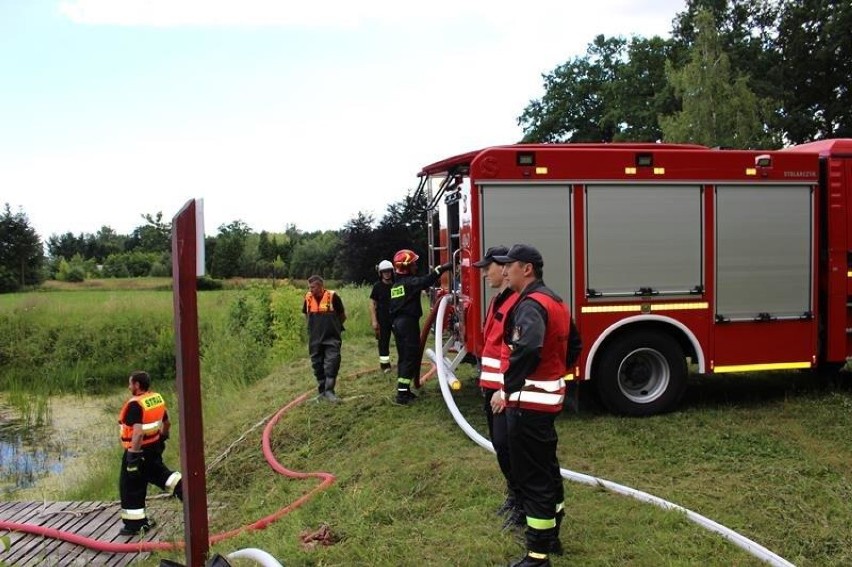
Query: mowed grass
x,y
767,456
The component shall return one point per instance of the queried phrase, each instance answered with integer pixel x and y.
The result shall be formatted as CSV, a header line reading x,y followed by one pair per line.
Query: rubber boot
x,y
329,390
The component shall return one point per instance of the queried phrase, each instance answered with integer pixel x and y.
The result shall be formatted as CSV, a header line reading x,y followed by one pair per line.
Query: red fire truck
x,y
670,256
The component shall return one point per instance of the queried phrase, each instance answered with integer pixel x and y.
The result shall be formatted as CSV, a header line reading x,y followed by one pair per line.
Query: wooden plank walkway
x,y
96,520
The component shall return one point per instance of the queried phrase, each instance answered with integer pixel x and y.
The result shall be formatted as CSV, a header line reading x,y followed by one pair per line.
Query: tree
x,y
716,109
614,92
403,226
153,236
65,246
229,249
21,252
316,254
357,253
813,42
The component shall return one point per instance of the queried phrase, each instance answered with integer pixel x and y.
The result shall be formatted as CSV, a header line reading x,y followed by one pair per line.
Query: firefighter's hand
x,y
375,325
498,404
164,436
444,268
134,462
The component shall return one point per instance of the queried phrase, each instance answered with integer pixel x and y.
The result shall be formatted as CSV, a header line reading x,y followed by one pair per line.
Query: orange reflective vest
x,y
491,376
153,410
544,389
324,305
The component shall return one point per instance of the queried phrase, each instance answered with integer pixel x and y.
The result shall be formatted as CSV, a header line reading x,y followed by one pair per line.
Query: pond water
x,y
27,453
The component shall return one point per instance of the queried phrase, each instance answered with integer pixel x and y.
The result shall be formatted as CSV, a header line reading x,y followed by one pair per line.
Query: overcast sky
x,y
274,112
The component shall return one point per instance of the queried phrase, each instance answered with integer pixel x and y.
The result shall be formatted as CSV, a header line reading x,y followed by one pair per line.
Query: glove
x,y
444,268
133,462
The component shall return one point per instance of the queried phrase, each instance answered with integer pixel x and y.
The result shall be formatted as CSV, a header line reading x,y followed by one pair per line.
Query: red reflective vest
x,y
491,376
153,410
544,389
324,305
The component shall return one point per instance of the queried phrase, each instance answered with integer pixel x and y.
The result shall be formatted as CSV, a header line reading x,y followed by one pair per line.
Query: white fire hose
x,y
446,376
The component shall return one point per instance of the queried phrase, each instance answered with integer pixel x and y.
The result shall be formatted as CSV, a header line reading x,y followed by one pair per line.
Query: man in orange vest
x,y
491,377
144,427
324,314
534,364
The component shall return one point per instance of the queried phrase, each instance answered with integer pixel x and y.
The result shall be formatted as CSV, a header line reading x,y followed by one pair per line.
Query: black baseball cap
x,y
521,253
490,256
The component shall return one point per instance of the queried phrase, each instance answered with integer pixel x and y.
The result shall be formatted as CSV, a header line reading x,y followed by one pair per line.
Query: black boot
x,y
515,520
532,560
329,390
556,544
507,505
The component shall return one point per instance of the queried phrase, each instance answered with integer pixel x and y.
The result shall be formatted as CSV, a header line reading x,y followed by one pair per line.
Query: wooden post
x,y
184,250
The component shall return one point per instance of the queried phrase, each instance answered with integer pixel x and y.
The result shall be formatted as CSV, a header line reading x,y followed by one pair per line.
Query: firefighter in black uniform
x,y
534,363
380,312
405,312
144,428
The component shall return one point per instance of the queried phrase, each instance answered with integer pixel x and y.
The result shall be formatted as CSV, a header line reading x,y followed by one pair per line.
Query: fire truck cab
x,y
671,257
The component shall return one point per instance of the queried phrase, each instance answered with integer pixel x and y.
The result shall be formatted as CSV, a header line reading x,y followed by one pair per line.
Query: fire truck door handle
x,y
646,291
764,317
697,290
593,293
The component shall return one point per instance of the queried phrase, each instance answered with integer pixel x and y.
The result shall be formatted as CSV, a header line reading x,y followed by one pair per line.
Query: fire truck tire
x,y
641,373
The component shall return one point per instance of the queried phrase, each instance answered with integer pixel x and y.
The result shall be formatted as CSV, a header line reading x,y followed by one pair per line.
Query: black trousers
x,y
535,470
325,361
406,333
133,487
384,338
499,436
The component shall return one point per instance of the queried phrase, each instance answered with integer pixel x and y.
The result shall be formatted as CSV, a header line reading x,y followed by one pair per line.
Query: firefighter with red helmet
x,y
143,430
405,312
534,363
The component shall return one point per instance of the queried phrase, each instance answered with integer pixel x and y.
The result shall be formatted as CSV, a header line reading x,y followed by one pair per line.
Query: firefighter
x,y
325,315
534,364
405,312
491,378
144,427
380,312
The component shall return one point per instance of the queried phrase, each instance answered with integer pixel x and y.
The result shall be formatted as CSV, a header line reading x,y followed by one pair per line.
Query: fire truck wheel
x,y
641,373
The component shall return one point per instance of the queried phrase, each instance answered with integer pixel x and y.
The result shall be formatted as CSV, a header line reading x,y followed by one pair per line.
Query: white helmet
x,y
385,265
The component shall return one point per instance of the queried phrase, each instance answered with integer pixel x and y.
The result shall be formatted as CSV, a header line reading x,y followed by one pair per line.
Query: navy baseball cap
x,y
521,253
490,256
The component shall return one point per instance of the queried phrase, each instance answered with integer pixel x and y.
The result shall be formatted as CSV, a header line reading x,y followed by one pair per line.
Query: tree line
x,y
735,73
349,254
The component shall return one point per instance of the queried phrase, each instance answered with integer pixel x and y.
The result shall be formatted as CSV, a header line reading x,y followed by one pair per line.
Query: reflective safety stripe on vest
x,y
324,305
490,377
153,410
544,390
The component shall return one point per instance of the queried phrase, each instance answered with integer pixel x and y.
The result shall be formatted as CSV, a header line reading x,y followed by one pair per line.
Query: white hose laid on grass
x,y
258,555
444,378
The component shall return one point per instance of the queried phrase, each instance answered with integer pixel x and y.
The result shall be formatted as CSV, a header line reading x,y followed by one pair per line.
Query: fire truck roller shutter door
x,y
640,371
539,214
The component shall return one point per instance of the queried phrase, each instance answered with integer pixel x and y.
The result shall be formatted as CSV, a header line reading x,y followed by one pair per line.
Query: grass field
x,y
769,456
766,456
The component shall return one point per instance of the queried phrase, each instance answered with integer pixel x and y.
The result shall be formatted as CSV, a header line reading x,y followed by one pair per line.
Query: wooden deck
x,y
96,520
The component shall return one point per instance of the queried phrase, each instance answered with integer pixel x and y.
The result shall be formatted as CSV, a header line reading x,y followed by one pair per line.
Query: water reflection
x,y
27,453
